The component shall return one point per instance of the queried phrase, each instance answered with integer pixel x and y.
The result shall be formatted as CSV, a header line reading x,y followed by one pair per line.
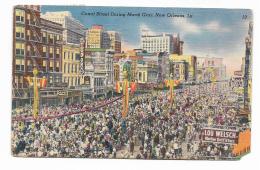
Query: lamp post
x,y
35,94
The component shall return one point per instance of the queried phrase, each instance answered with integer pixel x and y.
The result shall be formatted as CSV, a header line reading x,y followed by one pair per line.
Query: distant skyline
x,y
210,32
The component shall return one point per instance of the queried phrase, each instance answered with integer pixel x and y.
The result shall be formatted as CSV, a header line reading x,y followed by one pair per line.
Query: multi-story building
x,y
52,51
99,69
147,72
192,64
248,68
177,45
98,37
73,29
209,68
94,36
115,41
179,70
27,51
71,64
157,43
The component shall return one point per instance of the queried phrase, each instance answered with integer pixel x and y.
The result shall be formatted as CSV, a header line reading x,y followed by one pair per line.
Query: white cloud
x,y
214,26
185,26
145,28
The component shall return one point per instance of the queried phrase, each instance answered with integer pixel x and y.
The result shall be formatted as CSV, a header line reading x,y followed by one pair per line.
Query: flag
x,y
29,80
133,87
43,82
118,87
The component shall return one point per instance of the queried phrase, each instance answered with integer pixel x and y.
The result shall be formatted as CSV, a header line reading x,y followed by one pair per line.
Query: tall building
x,y
248,67
73,29
98,37
177,45
52,51
71,64
157,43
115,41
94,37
27,51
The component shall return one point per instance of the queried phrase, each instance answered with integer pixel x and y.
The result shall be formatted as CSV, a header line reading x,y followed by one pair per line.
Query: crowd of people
x,y
153,128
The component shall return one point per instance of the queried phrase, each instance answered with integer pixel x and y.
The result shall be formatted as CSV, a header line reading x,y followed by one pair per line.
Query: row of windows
x,y
71,55
70,68
20,49
72,81
46,38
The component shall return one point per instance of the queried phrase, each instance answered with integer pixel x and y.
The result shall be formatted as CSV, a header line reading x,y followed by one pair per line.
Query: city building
x,y
211,68
192,64
157,43
99,70
73,29
94,37
115,41
147,72
70,64
27,50
98,37
52,51
177,45
248,68
179,70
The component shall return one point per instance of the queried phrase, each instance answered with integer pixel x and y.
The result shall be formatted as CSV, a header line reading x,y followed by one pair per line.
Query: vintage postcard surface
x,y
134,83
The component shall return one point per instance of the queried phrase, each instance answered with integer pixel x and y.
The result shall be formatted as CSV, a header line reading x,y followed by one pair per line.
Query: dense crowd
x,y
153,129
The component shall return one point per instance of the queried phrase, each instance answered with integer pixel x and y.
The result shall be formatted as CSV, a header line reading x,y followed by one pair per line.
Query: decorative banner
x,y
244,142
223,136
43,82
82,57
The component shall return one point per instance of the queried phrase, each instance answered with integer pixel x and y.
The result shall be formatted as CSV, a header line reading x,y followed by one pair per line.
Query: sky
x,y
209,32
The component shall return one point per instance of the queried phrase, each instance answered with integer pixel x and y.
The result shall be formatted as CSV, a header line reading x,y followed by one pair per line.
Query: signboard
x,y
61,92
82,56
219,135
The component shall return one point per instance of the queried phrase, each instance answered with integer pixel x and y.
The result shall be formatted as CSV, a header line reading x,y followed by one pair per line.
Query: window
x,y
57,53
44,65
19,64
19,32
51,52
51,66
19,48
57,67
44,37
19,15
51,38
44,49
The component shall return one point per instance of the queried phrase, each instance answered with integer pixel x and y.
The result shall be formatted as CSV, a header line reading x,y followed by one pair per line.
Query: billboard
x,y
82,56
224,136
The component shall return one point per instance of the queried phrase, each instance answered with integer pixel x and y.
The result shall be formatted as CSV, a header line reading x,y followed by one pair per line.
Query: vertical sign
x,y
82,56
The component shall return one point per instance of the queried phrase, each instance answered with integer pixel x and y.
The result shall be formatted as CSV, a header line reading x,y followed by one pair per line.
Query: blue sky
x,y
210,32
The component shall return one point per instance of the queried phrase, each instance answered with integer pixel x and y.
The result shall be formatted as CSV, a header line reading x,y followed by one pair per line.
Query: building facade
x,y
192,64
73,29
179,70
70,65
52,51
157,43
115,41
99,69
94,37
